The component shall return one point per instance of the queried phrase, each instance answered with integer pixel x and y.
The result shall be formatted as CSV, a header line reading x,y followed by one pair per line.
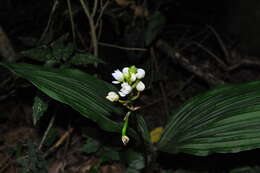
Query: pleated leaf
x,y
83,92
143,129
223,120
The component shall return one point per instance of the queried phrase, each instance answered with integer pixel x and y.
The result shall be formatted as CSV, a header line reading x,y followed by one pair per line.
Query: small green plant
x,y
61,53
33,161
223,120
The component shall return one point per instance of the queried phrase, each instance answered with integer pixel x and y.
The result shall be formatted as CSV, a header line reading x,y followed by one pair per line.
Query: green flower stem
x,y
136,96
122,101
136,82
131,99
125,123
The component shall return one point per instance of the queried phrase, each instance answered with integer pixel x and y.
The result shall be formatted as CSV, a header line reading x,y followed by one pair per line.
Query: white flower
x,y
112,96
118,75
133,77
126,89
140,73
140,86
125,139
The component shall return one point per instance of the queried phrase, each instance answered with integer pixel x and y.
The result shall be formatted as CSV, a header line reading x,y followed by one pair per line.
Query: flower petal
x,y
115,82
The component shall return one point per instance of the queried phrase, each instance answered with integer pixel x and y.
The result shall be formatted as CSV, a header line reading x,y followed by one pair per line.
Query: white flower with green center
x,y
112,96
119,77
125,90
140,86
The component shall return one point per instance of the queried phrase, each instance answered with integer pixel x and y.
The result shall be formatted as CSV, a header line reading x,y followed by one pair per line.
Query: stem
x,y
71,21
49,21
47,132
125,123
136,96
92,29
121,47
94,8
125,102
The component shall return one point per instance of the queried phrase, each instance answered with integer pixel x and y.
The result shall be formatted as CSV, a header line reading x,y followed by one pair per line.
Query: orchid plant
x,y
222,120
131,86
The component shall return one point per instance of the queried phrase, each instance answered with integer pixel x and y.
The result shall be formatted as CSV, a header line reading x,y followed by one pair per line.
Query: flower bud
x,y
132,69
125,140
140,86
140,73
112,96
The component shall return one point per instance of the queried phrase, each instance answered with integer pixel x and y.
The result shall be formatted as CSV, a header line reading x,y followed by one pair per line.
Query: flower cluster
x,y
130,80
131,86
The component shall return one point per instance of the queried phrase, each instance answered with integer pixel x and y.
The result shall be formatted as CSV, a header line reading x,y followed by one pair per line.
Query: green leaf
x,y
84,59
61,51
246,169
91,146
39,107
132,170
155,24
83,92
57,51
223,120
142,127
170,171
108,154
41,54
135,159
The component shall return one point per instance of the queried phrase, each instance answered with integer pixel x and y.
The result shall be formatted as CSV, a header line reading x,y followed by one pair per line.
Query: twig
x,y
99,22
92,28
221,43
59,142
244,62
49,20
94,8
72,21
4,167
174,93
100,29
5,163
101,13
82,41
218,60
210,79
165,101
121,47
47,132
